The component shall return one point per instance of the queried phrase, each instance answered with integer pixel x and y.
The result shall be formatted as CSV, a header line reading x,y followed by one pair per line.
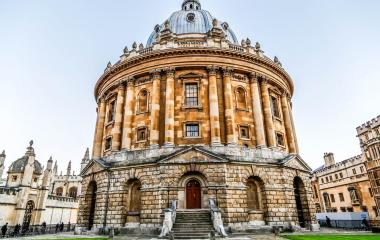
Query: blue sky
x,y
52,53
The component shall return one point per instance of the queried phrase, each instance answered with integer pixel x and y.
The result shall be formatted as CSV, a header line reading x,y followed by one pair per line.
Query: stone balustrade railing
x,y
9,191
216,217
169,220
62,199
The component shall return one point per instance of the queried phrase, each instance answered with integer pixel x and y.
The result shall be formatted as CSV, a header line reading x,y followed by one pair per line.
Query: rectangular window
x,y
350,209
362,169
192,130
341,175
336,176
354,171
111,111
141,134
244,132
327,179
323,181
191,93
14,178
332,197
341,197
108,144
280,139
330,177
370,192
275,107
343,209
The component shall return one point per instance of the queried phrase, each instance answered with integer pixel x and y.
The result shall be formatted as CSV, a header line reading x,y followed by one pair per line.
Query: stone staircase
x,y
192,224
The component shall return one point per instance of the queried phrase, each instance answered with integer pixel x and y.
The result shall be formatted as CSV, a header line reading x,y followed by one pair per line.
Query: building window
x,y
343,209
59,191
330,177
370,192
244,132
280,139
375,210
73,191
315,192
191,94
143,101
141,134
332,197
341,197
111,111
192,130
350,209
354,195
354,171
254,194
275,107
323,181
14,178
336,176
364,209
341,175
241,102
108,144
327,179
35,179
362,169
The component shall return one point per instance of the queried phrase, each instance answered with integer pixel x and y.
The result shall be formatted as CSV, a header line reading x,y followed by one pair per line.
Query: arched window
x,y
59,191
133,201
73,192
255,194
143,101
241,102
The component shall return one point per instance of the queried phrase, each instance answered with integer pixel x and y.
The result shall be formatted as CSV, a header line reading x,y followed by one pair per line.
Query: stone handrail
x,y
170,216
62,199
9,191
216,217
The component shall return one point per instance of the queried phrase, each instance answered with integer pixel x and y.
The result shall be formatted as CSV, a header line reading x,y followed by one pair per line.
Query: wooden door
x,y
193,195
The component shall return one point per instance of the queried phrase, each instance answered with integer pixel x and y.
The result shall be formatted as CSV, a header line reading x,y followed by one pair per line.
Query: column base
x,y
261,146
169,145
217,144
154,146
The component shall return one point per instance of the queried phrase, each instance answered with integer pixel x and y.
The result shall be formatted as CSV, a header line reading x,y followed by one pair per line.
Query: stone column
x,y
129,107
155,109
169,110
214,107
288,123
117,127
257,112
293,127
268,117
99,129
229,108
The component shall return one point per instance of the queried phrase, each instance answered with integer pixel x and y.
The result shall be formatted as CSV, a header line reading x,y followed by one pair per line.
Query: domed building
x,y
195,122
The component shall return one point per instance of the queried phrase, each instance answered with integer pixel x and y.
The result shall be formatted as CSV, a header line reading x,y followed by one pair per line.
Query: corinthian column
x,y
294,129
128,115
169,108
268,117
257,112
117,128
229,109
155,110
288,123
214,107
99,129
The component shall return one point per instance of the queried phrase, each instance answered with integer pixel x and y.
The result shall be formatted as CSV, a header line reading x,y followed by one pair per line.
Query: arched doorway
x,y
28,215
300,196
133,201
91,203
193,195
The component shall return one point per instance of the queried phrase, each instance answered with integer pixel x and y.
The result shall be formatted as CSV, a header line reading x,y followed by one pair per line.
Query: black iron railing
x,y
18,231
349,224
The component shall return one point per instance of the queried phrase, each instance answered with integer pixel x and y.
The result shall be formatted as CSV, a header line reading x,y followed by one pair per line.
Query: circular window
x,y
190,17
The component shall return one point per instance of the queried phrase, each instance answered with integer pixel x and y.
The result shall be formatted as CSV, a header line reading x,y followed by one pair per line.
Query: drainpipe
x,y
107,200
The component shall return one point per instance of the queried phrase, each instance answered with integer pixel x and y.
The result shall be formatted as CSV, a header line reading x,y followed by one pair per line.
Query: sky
x,y
53,52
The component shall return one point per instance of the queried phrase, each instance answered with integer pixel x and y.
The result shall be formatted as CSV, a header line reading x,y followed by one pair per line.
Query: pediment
x,y
193,155
295,161
93,167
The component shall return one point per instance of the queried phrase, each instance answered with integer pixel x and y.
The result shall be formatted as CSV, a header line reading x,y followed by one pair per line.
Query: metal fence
x,y
348,224
18,231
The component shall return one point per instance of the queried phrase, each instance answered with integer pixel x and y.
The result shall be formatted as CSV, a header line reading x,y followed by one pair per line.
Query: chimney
x,y
329,159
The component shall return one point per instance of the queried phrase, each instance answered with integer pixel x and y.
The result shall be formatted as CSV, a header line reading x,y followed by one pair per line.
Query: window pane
x,y
191,93
192,130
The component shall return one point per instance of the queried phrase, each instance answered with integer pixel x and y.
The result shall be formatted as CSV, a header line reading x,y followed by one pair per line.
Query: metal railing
x,y
19,231
349,224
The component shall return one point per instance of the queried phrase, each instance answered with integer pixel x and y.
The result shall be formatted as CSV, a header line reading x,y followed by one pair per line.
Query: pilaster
x,y
214,107
288,123
257,112
169,110
229,109
98,139
268,117
155,109
129,107
117,128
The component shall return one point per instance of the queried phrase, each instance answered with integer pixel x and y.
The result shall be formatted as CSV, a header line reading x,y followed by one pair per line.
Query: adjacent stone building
x,y
194,116
32,194
343,186
369,137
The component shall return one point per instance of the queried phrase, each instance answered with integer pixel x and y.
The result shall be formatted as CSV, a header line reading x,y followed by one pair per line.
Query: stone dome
x,y
191,20
19,165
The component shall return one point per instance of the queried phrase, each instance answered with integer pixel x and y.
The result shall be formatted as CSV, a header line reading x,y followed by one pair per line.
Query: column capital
x,y
227,71
212,70
285,94
156,73
170,71
253,77
130,81
101,100
120,85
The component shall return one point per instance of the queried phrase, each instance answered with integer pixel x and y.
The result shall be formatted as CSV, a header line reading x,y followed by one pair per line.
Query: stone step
x,y
191,235
193,220
192,225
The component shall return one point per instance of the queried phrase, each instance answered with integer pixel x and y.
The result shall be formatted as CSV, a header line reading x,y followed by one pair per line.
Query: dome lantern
x,y
189,5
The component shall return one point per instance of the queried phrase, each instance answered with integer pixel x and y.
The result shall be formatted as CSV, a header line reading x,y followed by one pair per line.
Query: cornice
x,y
162,54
